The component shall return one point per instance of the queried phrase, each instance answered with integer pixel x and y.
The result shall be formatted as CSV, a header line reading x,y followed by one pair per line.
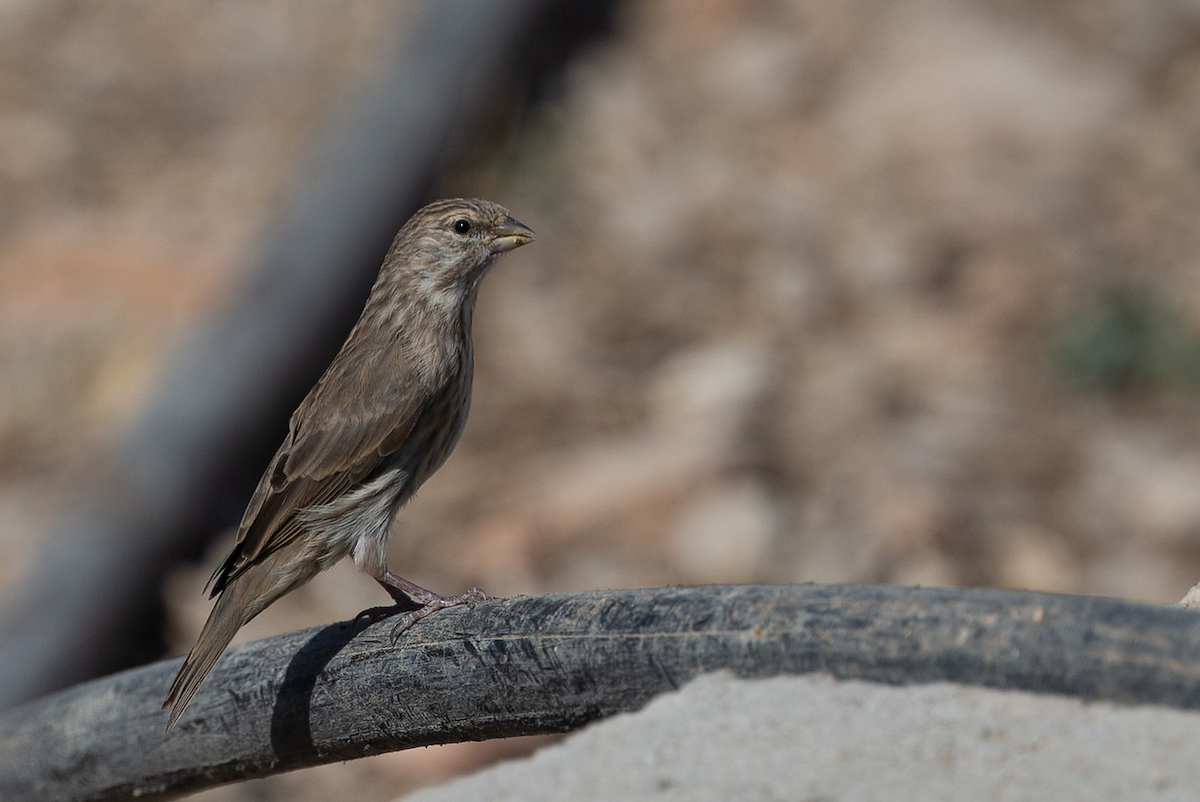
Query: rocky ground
x,y
866,291
814,738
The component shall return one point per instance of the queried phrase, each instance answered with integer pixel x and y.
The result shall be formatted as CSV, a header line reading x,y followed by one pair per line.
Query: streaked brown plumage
x,y
383,417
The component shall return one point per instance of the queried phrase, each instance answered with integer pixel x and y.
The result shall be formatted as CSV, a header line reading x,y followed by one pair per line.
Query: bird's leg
x,y
406,594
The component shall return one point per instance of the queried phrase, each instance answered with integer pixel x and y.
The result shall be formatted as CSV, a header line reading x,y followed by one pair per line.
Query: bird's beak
x,y
508,235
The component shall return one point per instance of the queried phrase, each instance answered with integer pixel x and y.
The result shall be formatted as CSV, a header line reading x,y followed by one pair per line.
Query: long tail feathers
x,y
222,624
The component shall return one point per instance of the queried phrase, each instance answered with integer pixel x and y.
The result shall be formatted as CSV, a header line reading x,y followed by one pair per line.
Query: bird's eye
x,y
462,226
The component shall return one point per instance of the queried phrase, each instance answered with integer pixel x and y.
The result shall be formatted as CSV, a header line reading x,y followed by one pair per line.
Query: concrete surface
x,y
814,738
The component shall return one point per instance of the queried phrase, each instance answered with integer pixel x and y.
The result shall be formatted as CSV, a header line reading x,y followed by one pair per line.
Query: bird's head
x,y
448,245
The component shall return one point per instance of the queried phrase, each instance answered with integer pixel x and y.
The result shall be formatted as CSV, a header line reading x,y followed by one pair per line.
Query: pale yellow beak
x,y
508,235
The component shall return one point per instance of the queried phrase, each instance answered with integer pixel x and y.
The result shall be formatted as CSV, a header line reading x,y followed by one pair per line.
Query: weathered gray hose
x,y
553,663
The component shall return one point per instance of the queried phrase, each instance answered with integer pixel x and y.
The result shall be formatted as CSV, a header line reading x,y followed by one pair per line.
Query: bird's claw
x,y
372,613
411,617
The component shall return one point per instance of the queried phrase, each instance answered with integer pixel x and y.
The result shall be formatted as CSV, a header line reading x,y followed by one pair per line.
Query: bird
x,y
381,420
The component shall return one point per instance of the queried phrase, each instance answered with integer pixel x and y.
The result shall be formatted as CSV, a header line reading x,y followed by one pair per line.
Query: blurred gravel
x,y
797,309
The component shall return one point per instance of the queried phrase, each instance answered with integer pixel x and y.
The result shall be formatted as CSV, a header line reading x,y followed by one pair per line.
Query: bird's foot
x,y
407,619
371,614
414,602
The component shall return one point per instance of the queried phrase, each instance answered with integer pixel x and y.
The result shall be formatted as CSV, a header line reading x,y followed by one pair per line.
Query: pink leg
x,y
406,594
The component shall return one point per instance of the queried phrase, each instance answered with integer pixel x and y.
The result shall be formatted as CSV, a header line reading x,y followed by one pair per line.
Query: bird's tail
x,y
226,618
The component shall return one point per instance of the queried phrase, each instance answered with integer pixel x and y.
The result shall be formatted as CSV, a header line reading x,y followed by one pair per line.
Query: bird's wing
x,y
325,454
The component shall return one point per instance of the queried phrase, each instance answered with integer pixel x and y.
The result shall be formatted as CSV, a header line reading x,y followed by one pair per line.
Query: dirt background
x,y
857,291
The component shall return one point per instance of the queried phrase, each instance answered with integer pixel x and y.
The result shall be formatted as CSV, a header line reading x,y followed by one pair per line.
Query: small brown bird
x,y
383,417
